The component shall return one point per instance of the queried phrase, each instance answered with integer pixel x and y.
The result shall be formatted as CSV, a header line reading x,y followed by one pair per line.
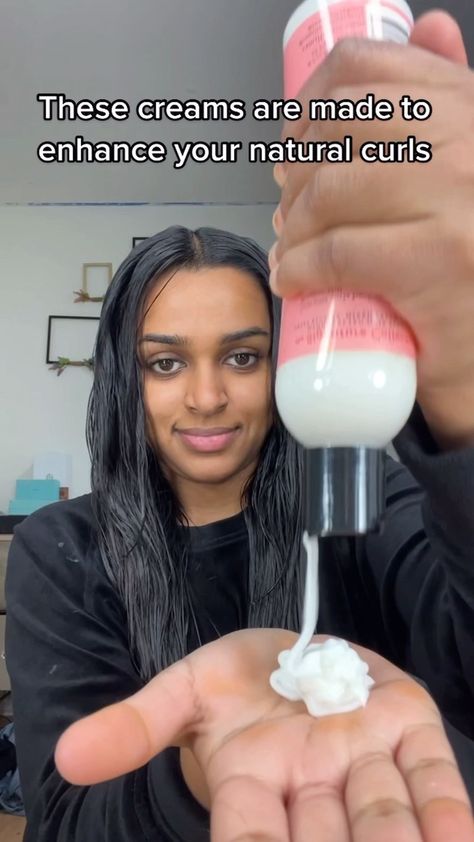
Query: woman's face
x,y
206,352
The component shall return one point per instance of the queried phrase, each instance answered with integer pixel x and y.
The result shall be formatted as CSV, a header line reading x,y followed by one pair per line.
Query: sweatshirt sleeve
x,y
422,568
67,655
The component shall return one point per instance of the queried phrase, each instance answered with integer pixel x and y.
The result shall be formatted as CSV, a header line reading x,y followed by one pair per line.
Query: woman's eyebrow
x,y
164,339
174,339
244,334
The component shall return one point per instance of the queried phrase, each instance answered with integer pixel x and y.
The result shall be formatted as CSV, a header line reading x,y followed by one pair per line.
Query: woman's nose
x,y
206,392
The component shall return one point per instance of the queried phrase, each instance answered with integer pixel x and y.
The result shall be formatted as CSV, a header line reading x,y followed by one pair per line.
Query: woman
x,y
192,531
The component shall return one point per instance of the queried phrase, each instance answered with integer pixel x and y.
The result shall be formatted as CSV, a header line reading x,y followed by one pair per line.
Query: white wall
x,y
42,250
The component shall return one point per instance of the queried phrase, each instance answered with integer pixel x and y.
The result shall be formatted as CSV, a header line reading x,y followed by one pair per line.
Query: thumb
x,y
127,735
439,33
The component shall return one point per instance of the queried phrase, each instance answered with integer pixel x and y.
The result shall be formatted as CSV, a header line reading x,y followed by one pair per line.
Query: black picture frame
x,y
137,240
51,319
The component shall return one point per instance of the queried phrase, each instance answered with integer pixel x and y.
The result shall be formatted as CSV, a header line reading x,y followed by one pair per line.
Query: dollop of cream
x,y
329,678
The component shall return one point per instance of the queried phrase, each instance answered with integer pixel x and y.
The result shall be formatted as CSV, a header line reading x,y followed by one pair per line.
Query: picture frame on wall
x,y
71,338
96,277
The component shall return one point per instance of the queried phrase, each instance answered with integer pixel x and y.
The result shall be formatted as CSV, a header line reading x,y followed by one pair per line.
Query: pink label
x,y
321,323
315,37
340,321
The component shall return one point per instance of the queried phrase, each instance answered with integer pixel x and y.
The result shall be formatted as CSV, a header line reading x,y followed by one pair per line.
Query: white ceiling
x,y
174,49
118,49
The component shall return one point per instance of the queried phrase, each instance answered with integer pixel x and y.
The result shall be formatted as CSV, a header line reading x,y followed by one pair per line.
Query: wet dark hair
x,y
142,545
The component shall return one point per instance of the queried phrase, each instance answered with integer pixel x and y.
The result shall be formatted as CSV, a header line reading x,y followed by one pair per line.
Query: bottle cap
x,y
345,490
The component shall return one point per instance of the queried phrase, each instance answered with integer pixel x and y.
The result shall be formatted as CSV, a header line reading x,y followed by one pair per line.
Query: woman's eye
x,y
244,359
165,366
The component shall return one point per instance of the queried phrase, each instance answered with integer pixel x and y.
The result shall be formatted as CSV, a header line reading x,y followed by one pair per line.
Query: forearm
x,y
445,476
450,416
423,566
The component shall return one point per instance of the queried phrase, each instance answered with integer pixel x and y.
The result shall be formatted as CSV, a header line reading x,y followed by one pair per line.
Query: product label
x,y
316,36
340,321
322,323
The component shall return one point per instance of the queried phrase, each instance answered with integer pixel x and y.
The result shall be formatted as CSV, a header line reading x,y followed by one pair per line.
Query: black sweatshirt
x,y
407,593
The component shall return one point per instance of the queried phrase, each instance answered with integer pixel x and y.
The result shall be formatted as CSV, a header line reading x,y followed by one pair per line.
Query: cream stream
x,y
328,677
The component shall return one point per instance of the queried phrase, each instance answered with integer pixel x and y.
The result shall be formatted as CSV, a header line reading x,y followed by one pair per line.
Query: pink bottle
x,y
346,378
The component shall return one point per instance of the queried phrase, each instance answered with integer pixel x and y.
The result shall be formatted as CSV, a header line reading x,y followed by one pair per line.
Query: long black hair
x,y
143,548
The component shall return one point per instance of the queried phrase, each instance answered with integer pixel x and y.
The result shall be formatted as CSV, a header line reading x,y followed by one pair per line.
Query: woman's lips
x,y
208,442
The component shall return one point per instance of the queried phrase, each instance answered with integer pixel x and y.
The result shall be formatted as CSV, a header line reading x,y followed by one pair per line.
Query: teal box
x,y
37,489
26,507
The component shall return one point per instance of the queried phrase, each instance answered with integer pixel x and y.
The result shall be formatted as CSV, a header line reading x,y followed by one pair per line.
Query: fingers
x,y
440,135
318,813
244,809
439,796
362,62
368,259
125,736
354,194
446,137
378,802
392,114
439,33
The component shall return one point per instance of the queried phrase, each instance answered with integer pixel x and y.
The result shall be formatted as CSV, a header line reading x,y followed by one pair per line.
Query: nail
x,y
277,221
272,258
279,174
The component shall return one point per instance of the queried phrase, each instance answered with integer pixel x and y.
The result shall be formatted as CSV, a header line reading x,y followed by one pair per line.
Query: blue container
x,y
37,489
26,507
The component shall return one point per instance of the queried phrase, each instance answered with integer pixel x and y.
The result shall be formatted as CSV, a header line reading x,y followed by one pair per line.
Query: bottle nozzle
x,y
345,490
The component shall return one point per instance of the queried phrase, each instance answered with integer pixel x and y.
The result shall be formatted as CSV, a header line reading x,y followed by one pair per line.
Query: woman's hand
x,y
273,772
402,231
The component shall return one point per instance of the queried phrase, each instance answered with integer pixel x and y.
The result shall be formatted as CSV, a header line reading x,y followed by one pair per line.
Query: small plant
x,y
62,363
83,296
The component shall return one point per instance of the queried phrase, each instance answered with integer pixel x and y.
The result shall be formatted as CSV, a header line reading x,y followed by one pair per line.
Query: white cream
x,y
349,399
328,677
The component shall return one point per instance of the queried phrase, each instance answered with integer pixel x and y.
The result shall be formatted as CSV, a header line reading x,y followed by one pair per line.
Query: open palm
x,y
273,772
